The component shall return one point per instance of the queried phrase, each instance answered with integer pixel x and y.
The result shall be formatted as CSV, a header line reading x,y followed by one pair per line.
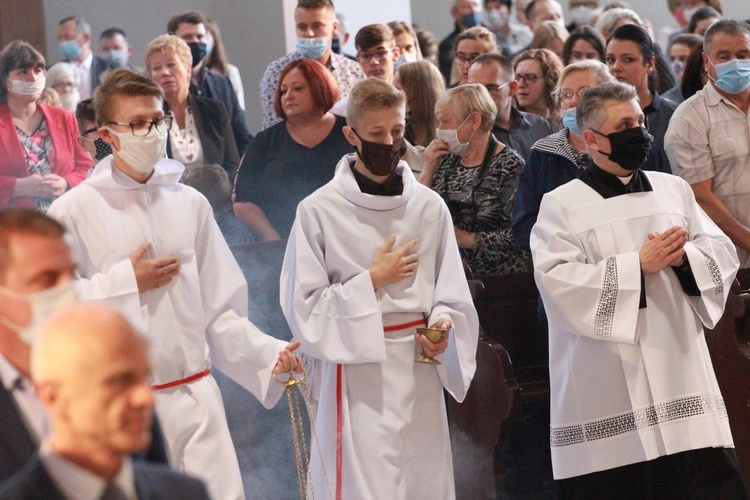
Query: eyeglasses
x,y
491,88
379,55
528,78
143,128
462,59
64,86
87,132
567,95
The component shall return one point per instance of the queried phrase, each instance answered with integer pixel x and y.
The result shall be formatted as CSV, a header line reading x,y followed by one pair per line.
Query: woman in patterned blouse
x,y
477,177
40,158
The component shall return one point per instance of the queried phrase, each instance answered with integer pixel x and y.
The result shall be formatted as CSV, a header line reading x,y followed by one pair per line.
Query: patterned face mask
x,y
102,148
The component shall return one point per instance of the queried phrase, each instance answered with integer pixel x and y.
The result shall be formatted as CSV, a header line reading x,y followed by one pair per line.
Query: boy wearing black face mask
x,y
89,138
629,266
371,256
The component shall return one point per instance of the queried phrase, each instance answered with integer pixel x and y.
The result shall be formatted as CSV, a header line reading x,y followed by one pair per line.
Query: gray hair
x,y
596,67
591,112
730,27
212,182
468,98
608,20
82,26
63,69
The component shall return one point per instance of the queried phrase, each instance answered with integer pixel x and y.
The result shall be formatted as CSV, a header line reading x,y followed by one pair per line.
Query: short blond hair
x,y
465,99
369,94
167,41
121,82
596,67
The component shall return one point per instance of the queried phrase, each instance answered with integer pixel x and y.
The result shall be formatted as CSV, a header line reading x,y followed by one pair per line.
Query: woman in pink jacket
x,y
39,156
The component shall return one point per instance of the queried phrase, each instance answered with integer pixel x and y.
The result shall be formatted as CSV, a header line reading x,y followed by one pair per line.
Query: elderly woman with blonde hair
x,y
477,177
201,132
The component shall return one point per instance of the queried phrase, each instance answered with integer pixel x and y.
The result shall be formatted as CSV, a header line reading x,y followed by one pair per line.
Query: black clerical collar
x,y
393,185
609,185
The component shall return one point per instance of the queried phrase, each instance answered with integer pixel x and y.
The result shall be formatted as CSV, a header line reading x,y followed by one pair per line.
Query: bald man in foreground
x,y
90,371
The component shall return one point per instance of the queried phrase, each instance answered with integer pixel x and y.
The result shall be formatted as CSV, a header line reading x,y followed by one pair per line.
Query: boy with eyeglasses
x,y
149,246
376,54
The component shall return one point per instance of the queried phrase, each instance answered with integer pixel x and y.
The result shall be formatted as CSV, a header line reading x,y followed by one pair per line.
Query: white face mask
x,y
43,305
141,153
581,14
450,137
28,88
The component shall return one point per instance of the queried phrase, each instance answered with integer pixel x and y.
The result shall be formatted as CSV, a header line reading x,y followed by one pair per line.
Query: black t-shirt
x,y
277,172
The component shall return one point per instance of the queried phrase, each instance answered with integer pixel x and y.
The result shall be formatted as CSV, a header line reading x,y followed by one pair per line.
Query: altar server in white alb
x,y
371,256
150,246
630,270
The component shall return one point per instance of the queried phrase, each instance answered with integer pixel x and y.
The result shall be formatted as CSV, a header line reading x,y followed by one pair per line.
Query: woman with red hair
x,y
288,161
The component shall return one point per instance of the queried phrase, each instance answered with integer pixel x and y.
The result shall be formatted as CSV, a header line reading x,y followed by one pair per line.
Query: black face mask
x,y
336,46
102,149
630,147
198,51
381,159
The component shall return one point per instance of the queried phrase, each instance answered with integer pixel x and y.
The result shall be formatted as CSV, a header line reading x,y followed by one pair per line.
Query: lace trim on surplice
x,y
667,411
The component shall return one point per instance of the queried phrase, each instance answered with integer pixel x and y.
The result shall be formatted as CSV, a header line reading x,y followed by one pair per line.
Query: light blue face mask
x,y
118,58
471,20
733,76
314,48
69,50
569,120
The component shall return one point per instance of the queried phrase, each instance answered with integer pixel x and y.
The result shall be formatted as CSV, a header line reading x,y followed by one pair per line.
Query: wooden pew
x,y
729,346
507,307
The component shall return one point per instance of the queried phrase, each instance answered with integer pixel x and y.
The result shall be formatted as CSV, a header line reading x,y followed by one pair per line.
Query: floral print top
x,y
40,156
484,206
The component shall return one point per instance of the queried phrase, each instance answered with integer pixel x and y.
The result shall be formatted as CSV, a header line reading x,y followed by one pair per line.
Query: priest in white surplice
x,y
151,247
630,270
372,255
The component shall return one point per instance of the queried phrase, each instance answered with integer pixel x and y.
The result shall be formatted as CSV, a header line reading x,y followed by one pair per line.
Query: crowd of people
x,y
610,158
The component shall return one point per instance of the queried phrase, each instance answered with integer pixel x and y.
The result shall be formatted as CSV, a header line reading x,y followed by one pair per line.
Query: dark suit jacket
x,y
98,67
17,446
152,482
215,132
216,86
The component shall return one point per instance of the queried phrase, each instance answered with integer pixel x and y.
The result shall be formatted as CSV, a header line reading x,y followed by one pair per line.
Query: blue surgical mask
x,y
69,50
118,58
678,67
471,20
569,120
314,48
733,76
209,48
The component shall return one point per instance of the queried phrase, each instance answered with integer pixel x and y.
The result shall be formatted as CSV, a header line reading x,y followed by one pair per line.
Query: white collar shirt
x,y
84,70
76,482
